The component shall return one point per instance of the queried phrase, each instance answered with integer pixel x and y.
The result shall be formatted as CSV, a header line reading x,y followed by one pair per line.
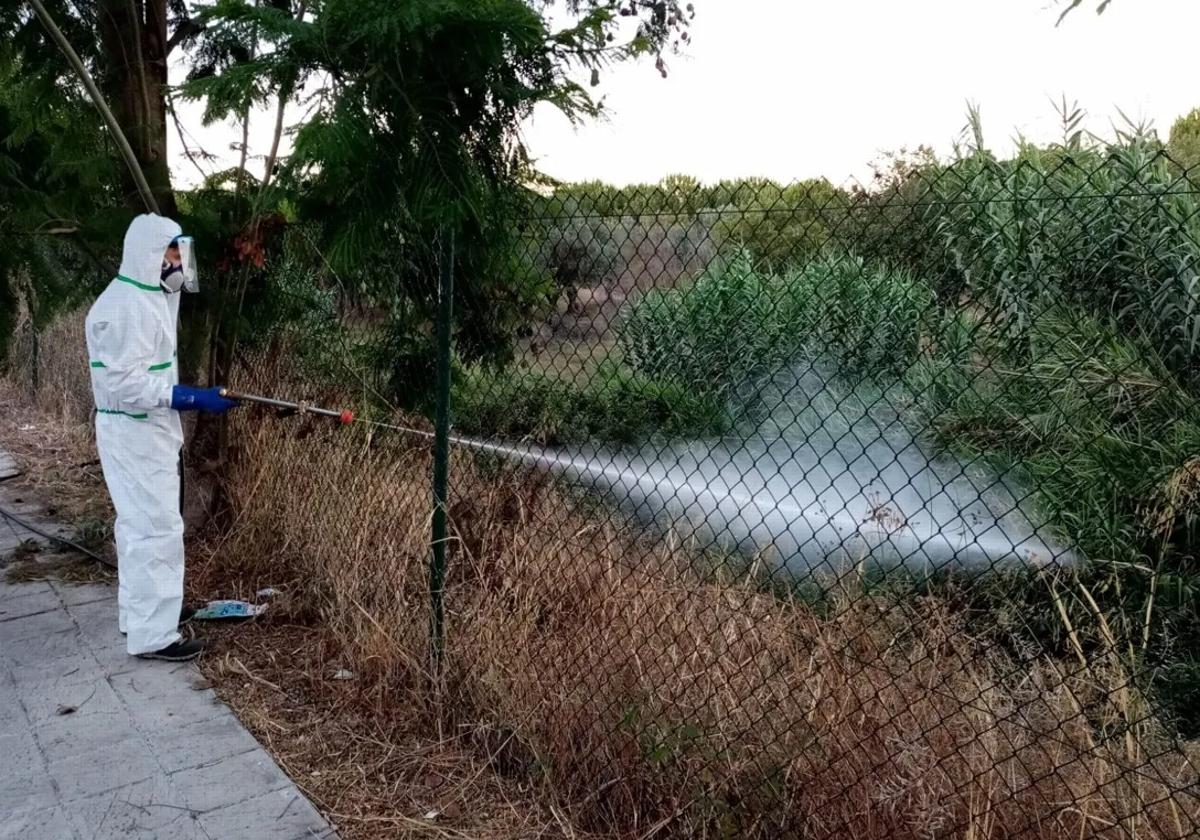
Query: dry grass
x,y
52,366
375,775
647,702
59,466
45,420
1177,499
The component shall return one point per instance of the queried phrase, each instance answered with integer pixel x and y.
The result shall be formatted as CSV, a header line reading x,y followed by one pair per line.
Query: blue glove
x,y
209,400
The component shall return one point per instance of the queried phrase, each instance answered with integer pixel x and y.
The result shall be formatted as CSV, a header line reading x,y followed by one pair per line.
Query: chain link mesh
x,y
796,511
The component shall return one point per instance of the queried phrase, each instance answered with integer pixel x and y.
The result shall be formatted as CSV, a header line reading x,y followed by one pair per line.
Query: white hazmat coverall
x,y
131,340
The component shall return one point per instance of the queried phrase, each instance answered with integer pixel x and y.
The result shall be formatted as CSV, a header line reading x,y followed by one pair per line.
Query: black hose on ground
x,y
12,517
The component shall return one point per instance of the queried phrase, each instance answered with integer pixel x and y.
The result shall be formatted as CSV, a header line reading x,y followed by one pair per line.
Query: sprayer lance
x,y
344,416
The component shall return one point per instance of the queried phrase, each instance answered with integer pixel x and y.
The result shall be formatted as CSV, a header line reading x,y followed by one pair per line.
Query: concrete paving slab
x,y
82,774
21,590
32,788
72,736
104,634
147,679
77,594
52,703
201,743
27,605
115,657
281,815
181,707
100,616
148,810
110,649
12,720
51,645
38,625
12,715
80,667
42,824
229,781
13,725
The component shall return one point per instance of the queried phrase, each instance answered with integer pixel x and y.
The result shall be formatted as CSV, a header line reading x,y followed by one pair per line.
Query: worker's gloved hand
x,y
209,400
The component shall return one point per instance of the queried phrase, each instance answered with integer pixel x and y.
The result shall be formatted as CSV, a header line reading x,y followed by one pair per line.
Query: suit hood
x,y
145,241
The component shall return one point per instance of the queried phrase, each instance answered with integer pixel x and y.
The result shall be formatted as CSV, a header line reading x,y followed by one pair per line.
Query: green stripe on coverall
x,y
123,413
135,283
159,366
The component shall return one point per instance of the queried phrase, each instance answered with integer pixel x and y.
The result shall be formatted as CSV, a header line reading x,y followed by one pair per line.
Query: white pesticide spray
x,y
831,479
800,510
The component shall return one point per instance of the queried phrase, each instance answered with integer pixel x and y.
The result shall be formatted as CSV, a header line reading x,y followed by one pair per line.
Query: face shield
x,y
187,264
181,277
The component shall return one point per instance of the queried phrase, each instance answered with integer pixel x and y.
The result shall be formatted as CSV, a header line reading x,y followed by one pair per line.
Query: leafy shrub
x,y
296,305
1106,437
725,330
614,405
737,324
691,242
780,225
1094,421
870,320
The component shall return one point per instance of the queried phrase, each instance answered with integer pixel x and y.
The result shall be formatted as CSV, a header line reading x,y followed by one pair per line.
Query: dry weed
x,y
35,565
57,456
374,776
51,364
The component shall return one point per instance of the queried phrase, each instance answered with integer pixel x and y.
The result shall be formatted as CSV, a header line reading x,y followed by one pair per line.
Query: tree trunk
x,y
133,77
133,35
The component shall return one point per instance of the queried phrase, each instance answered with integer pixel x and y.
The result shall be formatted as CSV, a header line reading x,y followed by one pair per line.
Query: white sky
x,y
802,88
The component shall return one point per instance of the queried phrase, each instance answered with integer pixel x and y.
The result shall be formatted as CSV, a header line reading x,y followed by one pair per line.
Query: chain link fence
x,y
793,511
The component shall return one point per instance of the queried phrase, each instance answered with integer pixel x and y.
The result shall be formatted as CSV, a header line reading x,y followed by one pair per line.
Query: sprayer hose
x,y
12,517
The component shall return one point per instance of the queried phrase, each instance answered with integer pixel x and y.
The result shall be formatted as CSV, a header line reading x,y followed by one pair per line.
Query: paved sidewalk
x,y
98,744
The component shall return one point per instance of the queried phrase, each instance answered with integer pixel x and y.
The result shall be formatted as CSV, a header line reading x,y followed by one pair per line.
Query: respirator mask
x,y
185,277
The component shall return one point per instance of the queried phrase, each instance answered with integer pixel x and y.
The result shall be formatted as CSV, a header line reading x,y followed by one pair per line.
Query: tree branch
x,y
285,94
1075,4
187,152
58,231
187,29
272,156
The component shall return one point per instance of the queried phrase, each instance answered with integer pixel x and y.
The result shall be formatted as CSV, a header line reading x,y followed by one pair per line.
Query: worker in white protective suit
x,y
131,340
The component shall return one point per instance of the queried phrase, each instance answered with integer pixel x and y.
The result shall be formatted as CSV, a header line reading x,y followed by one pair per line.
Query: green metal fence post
x,y
441,450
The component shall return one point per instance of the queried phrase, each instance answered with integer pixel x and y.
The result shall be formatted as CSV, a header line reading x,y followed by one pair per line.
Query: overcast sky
x,y
802,88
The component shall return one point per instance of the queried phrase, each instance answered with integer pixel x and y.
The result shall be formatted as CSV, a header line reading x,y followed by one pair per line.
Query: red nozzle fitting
x,y
347,417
